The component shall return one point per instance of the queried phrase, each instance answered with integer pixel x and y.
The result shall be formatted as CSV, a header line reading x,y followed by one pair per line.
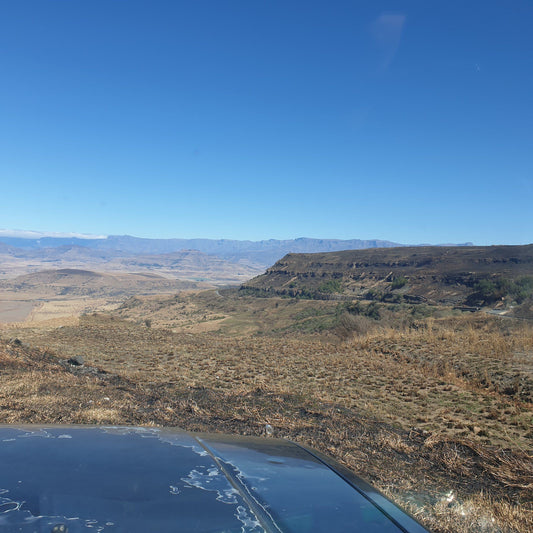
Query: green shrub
x,y
399,282
354,308
331,286
373,294
372,311
492,290
522,289
487,290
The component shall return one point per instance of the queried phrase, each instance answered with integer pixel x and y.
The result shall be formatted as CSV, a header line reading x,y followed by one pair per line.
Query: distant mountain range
x,y
255,254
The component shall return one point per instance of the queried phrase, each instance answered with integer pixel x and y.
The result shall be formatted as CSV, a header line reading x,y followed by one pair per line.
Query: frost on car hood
x,y
65,479
61,479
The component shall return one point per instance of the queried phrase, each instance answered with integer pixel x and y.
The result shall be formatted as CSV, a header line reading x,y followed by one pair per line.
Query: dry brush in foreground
x,y
430,416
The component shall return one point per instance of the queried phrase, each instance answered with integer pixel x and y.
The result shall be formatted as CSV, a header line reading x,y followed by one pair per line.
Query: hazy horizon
x,y
406,121
35,234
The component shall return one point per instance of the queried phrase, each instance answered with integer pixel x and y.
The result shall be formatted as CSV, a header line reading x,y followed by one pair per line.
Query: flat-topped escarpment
x,y
455,275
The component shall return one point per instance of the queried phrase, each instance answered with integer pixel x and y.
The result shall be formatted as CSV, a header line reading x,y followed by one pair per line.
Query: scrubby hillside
x,y
471,276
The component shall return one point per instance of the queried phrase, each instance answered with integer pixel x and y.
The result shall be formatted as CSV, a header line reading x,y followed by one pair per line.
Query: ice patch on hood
x,y
212,480
37,433
12,515
250,525
157,433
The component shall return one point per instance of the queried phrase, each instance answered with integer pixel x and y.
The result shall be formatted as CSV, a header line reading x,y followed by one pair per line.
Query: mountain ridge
x,y
262,253
444,275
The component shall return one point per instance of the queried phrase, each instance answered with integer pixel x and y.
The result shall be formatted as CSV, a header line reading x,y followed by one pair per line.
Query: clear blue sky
x,y
255,119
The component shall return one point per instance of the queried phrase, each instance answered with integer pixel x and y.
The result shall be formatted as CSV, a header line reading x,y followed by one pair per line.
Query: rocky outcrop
x,y
448,275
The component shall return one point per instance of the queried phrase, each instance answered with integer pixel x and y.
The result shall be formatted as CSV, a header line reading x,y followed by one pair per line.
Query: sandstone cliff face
x,y
449,275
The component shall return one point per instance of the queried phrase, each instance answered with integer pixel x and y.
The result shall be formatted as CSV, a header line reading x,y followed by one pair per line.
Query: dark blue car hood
x,y
120,479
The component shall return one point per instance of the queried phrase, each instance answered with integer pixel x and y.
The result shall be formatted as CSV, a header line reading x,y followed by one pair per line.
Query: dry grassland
x,y
58,309
438,416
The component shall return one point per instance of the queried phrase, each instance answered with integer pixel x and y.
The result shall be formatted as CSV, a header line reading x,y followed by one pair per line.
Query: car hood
x,y
122,479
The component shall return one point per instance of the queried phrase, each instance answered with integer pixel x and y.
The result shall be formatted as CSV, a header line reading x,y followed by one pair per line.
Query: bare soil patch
x,y
15,310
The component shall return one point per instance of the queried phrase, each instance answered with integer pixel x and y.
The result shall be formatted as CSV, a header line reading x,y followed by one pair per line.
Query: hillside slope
x,y
73,282
474,275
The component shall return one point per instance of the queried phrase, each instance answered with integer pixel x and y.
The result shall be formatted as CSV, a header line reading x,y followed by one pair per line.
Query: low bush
x,y
331,286
490,291
398,283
